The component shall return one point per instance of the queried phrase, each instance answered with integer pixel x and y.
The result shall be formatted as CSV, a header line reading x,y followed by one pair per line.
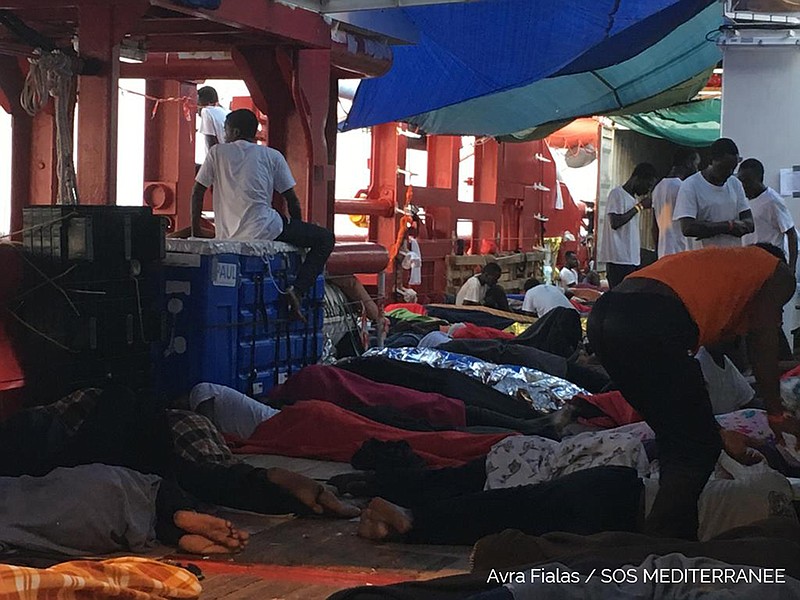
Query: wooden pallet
x,y
517,268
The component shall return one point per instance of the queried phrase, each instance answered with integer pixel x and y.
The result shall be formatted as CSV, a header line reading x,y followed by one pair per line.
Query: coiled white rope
x,y
55,74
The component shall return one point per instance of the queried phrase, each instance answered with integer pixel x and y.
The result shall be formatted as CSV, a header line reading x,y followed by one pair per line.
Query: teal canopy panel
x,y
694,124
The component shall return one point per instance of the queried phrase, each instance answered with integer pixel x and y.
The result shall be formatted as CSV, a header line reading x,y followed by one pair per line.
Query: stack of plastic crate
x,y
227,318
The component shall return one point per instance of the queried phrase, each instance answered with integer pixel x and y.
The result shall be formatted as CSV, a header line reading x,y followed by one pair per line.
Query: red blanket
x,y
322,430
349,390
470,331
613,404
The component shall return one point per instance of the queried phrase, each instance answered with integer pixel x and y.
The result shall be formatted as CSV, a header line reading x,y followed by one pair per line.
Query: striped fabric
x,y
126,578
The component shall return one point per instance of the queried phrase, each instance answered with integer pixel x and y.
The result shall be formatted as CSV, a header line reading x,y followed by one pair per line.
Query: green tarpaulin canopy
x,y
694,124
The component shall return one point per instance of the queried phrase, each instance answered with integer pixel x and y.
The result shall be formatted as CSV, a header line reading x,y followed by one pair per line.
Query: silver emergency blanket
x,y
208,246
545,393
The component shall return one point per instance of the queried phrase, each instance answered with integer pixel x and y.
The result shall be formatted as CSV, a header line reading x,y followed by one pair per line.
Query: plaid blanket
x,y
127,578
196,439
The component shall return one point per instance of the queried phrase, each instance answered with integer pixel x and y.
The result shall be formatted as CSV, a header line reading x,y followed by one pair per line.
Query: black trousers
x,y
452,384
317,240
449,506
644,341
169,500
616,273
557,332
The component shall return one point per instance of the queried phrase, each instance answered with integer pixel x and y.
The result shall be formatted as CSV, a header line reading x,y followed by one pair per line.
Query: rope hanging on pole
x,y
55,74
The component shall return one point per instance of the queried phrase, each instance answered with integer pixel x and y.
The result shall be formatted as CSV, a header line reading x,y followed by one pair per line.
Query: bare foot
x,y
218,531
382,519
295,306
197,544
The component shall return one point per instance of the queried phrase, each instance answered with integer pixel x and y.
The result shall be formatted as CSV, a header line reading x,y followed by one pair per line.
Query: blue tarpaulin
x,y
499,67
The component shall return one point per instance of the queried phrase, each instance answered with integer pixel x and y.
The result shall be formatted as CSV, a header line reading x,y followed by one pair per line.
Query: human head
x,y
490,274
724,158
685,162
593,278
571,259
207,96
751,174
241,124
642,179
532,283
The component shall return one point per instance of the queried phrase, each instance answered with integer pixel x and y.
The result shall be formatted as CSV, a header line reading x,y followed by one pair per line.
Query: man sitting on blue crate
x,y
245,175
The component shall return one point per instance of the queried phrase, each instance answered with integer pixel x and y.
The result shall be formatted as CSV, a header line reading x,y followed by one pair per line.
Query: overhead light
x,y
718,71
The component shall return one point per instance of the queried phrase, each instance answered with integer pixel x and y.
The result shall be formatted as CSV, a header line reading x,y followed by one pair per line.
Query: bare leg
x,y
382,519
218,531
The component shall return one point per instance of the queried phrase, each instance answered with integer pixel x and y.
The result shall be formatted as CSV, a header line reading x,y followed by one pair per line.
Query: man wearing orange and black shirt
x,y
645,333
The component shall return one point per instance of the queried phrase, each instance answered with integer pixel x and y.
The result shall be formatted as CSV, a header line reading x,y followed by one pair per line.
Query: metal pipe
x,y
371,207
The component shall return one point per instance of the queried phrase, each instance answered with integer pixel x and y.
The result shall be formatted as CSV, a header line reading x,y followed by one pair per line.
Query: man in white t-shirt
x,y
212,116
671,240
568,276
245,175
620,244
711,204
473,292
540,299
773,221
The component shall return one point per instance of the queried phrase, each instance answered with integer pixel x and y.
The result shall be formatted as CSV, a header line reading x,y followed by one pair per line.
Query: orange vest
x,y
715,285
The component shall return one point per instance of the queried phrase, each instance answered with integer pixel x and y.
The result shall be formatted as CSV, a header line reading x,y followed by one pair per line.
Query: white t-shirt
x,y
568,277
230,410
244,175
772,220
670,237
703,201
544,298
472,290
212,122
620,247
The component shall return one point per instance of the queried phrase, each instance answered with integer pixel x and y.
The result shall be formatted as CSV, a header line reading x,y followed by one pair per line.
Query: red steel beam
x,y
159,67
180,26
298,26
101,29
33,159
169,154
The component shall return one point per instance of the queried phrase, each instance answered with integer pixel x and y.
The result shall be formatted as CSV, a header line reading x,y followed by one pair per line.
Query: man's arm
x,y
745,224
198,192
471,303
706,229
617,220
763,337
293,204
791,234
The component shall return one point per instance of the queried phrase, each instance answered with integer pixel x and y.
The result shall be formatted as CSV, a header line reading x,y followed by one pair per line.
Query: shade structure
x,y
500,68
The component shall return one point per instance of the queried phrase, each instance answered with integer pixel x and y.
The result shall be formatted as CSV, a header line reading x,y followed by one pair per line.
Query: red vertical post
x,y
33,160
98,104
169,153
309,153
43,181
386,184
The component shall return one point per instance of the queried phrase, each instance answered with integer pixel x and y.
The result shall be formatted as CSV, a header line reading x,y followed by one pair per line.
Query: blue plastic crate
x,y
228,323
